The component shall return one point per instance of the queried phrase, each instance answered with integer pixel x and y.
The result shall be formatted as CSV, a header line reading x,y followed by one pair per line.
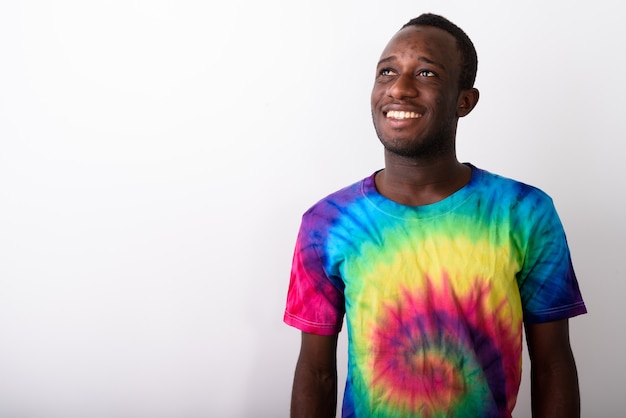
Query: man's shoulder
x,y
342,197
498,183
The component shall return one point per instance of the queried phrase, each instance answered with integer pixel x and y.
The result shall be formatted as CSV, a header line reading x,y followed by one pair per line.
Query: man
x,y
437,265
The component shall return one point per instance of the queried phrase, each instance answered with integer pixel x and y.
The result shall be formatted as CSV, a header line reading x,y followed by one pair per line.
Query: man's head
x,y
469,59
423,85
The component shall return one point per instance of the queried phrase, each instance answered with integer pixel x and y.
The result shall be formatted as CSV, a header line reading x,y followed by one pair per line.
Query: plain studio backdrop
x,y
156,157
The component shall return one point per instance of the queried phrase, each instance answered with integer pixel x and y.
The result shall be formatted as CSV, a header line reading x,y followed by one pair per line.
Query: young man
x,y
437,265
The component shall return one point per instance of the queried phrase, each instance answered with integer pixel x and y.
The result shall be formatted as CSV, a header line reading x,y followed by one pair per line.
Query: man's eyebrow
x,y
420,58
429,61
388,59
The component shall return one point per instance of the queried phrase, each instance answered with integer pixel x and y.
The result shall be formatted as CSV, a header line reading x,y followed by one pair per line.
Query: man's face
x,y
414,100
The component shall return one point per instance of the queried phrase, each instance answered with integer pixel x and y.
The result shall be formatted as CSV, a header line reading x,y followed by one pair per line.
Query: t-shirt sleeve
x,y
314,303
548,285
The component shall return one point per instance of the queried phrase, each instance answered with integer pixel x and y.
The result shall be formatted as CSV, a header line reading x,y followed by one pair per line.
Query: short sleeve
x,y
314,304
548,285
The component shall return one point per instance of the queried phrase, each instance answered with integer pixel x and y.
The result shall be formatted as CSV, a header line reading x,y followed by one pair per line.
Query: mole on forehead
x,y
417,50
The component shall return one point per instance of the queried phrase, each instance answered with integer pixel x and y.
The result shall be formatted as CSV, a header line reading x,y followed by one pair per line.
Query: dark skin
x,y
418,75
416,104
554,378
314,391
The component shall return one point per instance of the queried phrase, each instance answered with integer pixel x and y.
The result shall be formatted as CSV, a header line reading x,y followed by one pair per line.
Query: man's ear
x,y
467,101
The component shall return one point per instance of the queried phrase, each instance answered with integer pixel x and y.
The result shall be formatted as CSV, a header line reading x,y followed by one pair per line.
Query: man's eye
x,y
387,71
426,73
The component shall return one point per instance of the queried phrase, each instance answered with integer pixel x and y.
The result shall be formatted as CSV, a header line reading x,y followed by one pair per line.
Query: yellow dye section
x,y
472,280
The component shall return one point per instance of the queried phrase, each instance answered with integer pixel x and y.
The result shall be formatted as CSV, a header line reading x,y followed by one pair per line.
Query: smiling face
x,y
416,100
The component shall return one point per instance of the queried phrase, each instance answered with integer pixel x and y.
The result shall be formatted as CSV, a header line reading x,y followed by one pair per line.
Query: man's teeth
x,y
400,114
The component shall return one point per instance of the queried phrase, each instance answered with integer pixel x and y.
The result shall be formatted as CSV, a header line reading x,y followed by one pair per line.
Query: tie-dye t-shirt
x,y
434,296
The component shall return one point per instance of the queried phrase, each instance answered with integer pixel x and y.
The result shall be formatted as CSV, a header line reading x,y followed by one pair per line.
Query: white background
x,y
156,157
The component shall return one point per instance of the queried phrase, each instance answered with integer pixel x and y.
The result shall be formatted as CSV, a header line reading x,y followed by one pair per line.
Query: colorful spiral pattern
x,y
434,297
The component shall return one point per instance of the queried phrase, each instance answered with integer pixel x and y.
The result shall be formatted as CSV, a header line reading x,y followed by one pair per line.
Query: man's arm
x,y
314,393
554,379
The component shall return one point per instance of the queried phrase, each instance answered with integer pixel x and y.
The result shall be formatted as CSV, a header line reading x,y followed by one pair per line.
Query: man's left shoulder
x,y
514,188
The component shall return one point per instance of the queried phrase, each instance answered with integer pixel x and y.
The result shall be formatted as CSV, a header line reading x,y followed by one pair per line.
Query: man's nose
x,y
403,87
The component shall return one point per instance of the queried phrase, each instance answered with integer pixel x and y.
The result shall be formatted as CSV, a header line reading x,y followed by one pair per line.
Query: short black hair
x,y
469,58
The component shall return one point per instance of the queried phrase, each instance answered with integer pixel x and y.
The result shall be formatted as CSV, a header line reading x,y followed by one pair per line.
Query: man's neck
x,y
415,183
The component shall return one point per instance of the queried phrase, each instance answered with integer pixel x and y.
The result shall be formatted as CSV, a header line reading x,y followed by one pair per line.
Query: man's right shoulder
x,y
339,199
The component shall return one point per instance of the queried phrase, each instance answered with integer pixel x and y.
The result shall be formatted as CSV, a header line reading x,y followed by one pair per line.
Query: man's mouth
x,y
401,114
